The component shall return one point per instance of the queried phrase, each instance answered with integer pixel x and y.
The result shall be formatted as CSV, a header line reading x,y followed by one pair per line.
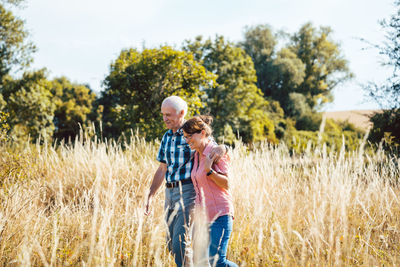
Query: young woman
x,y
211,184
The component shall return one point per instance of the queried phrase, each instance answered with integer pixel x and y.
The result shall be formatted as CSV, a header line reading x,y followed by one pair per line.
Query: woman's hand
x,y
209,161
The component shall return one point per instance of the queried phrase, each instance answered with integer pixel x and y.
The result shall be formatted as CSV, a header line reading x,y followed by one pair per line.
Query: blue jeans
x,y
220,231
178,219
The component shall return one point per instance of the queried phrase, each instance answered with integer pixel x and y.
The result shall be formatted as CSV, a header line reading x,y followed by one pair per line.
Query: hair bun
x,y
206,119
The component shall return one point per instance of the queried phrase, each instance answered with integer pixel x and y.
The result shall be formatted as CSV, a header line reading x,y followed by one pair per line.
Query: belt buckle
x,y
173,184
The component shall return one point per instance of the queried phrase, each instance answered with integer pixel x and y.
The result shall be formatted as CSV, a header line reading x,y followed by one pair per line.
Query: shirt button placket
x,y
173,143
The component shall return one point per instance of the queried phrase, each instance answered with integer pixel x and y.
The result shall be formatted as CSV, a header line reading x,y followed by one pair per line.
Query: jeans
x,y
220,231
178,219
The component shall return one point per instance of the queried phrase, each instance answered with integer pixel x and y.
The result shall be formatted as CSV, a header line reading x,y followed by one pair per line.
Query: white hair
x,y
177,103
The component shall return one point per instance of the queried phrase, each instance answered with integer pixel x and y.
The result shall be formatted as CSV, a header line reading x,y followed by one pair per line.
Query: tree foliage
x,y
139,81
15,48
260,44
311,64
387,95
288,74
236,103
74,105
325,65
299,109
386,124
30,105
279,72
258,88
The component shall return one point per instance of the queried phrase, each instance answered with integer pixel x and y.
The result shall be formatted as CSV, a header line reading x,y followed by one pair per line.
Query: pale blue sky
x,y
80,38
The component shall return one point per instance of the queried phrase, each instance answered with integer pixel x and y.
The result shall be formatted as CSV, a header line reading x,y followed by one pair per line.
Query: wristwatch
x,y
210,172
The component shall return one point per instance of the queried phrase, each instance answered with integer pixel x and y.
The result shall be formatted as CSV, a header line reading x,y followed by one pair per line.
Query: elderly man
x,y
176,161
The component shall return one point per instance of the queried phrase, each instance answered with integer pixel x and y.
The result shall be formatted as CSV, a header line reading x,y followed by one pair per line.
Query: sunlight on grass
x,y
82,205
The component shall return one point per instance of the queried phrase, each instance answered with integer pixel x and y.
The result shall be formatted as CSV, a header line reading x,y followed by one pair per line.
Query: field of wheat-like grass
x,y
82,205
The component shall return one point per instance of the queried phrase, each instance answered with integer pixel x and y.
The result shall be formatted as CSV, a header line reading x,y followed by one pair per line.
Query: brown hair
x,y
197,124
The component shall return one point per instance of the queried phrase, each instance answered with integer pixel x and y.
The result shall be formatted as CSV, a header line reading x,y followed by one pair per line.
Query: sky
x,y
80,38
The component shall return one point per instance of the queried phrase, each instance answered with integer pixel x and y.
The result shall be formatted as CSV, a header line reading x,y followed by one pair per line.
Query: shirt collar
x,y
179,132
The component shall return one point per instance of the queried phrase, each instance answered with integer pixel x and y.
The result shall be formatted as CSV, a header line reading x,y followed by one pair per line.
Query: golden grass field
x,y
82,205
360,118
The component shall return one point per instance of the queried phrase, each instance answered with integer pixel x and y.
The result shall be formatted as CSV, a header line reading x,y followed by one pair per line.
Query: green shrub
x,y
333,137
386,129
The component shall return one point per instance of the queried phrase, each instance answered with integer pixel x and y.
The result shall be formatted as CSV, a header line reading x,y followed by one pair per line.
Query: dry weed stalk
x,y
82,205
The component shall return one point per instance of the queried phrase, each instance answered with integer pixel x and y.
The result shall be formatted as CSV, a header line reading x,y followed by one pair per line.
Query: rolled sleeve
x,y
222,166
161,151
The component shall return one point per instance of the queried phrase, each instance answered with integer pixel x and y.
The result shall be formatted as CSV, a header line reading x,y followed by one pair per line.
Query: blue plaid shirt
x,y
176,153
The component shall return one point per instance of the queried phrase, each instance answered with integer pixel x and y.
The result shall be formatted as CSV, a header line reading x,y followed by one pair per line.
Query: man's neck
x,y
174,130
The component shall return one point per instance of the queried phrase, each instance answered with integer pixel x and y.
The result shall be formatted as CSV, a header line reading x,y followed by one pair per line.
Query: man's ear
x,y
182,113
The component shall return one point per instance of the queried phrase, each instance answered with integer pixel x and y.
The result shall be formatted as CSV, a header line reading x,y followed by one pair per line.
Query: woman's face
x,y
195,140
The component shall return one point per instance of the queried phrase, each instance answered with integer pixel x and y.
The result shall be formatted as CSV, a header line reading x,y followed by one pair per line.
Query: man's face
x,y
172,119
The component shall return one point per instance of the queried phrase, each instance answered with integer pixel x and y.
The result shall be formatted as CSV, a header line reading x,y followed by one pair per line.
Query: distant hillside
x,y
360,118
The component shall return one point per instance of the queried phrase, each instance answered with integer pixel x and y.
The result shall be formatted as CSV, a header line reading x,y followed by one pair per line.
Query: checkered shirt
x,y
176,153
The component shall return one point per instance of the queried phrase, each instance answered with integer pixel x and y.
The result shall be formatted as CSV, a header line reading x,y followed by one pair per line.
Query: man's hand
x,y
218,152
209,160
155,184
147,207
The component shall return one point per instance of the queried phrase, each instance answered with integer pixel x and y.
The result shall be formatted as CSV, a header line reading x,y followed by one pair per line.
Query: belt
x,y
176,184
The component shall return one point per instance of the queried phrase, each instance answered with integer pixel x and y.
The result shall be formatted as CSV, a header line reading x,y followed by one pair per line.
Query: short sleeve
x,y
161,151
222,166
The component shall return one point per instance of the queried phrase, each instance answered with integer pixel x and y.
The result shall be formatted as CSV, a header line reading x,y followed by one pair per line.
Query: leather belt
x,y
176,184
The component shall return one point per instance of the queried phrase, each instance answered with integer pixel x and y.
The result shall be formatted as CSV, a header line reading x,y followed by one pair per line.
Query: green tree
x,y
74,105
30,105
386,124
279,73
300,110
325,65
236,103
260,44
15,48
288,74
311,64
139,81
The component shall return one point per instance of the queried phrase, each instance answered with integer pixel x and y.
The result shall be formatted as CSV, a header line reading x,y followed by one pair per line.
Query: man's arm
x,y
155,185
219,179
218,152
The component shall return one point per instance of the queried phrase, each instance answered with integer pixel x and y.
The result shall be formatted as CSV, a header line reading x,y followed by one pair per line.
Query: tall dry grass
x,y
82,205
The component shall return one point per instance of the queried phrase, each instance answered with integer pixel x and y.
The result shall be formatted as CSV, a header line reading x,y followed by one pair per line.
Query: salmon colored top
x,y
216,200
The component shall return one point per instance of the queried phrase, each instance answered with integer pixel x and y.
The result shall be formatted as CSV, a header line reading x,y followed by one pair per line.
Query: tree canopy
x,y
15,48
30,105
258,89
386,124
236,103
139,81
311,63
325,65
301,74
74,104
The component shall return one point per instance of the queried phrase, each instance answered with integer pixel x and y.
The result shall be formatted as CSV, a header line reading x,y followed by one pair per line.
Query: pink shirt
x,y
216,200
